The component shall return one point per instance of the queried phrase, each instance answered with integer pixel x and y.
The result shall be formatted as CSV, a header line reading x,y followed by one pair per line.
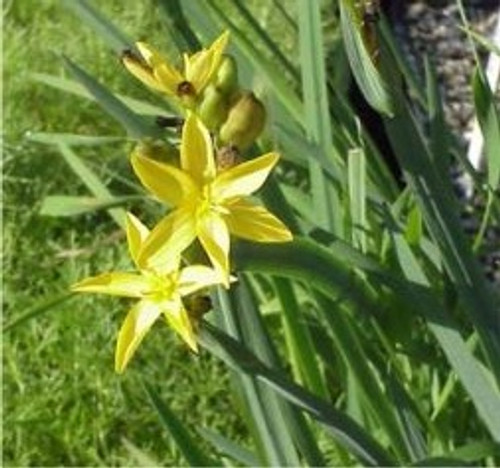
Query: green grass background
x,y
63,403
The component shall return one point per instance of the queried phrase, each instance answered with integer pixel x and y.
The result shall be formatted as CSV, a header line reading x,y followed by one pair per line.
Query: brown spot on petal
x,y
185,88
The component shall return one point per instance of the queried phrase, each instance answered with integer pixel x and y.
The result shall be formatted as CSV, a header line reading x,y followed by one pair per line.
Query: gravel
x,y
432,28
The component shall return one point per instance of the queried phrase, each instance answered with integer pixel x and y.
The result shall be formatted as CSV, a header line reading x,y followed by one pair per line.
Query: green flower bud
x,y
213,107
227,75
244,123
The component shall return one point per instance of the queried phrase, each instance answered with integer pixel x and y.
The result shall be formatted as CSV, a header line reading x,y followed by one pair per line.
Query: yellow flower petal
x,y
255,223
217,48
198,69
168,183
245,178
168,77
170,237
214,237
115,284
201,67
150,55
137,323
141,71
177,317
136,235
197,157
196,277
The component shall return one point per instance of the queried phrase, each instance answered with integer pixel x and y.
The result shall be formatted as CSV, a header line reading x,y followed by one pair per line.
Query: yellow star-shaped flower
x,y
210,204
159,290
187,85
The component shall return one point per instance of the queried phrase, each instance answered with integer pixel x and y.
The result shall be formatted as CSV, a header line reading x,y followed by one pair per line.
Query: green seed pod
x,y
227,75
244,123
213,107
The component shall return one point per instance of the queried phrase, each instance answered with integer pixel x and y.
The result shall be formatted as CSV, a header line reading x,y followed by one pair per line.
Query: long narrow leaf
x,y
340,426
91,180
191,451
116,39
228,447
136,125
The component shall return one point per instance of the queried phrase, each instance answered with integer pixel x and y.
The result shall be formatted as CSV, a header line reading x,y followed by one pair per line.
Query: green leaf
x,y
252,24
175,19
83,10
347,432
489,121
188,447
228,447
137,125
62,205
326,270
72,87
365,73
256,337
71,139
468,453
266,409
91,180
317,117
41,307
357,197
439,134
299,341
481,390
435,198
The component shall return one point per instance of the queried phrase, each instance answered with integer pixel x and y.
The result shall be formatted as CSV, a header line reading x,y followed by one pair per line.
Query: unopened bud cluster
x,y
237,117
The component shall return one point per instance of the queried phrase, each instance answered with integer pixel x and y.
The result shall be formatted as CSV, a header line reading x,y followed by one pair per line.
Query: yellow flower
x,y
210,204
187,85
159,290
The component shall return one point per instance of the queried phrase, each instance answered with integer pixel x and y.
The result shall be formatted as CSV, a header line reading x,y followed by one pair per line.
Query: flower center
x,y
207,202
162,286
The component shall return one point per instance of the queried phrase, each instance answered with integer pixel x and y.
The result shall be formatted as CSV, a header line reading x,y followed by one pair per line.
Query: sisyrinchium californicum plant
x,y
373,318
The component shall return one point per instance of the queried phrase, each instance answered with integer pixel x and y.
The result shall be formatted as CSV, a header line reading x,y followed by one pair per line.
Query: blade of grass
x,y
357,198
178,26
41,307
317,117
137,125
254,25
228,447
62,205
188,447
91,180
70,86
435,198
480,389
299,341
114,38
71,139
350,346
